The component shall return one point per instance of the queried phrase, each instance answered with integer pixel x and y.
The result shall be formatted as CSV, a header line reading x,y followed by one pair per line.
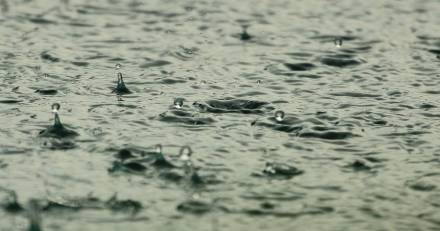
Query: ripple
x,y
234,106
299,66
331,135
339,62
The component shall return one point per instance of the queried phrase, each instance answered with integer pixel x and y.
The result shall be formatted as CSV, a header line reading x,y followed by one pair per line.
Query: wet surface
x,y
356,148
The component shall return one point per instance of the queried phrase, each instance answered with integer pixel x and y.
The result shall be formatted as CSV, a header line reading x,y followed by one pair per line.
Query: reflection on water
x,y
208,115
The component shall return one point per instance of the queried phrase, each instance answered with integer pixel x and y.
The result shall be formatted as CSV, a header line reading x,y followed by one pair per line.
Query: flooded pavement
x,y
353,148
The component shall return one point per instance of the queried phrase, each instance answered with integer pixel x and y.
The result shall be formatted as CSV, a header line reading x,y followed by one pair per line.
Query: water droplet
x,y
258,82
185,153
269,168
56,107
158,148
279,116
178,103
338,42
118,66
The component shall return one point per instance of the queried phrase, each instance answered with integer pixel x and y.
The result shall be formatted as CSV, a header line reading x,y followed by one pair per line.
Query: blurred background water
x,y
356,150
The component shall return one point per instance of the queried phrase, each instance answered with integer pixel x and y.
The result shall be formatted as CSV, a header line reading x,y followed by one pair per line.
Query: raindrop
x,y
338,42
185,153
279,116
158,148
56,107
269,168
178,103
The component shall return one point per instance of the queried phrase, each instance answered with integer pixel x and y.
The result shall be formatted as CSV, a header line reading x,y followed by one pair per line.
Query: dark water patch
x,y
129,167
355,94
309,76
300,54
47,91
10,204
359,165
433,92
426,106
125,154
410,133
300,66
46,56
356,50
78,24
422,186
274,195
430,115
80,64
234,106
156,63
10,101
435,51
330,135
43,21
339,62
172,81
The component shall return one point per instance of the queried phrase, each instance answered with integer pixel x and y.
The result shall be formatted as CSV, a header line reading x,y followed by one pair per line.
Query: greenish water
x,y
357,80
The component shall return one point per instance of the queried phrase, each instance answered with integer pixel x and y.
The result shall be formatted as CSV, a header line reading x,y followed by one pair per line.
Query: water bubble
x,y
279,116
178,103
185,153
338,42
56,107
118,66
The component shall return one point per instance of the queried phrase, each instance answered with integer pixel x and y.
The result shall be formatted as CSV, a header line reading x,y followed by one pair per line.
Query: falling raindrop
x,y
178,103
338,42
279,116
185,154
56,107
